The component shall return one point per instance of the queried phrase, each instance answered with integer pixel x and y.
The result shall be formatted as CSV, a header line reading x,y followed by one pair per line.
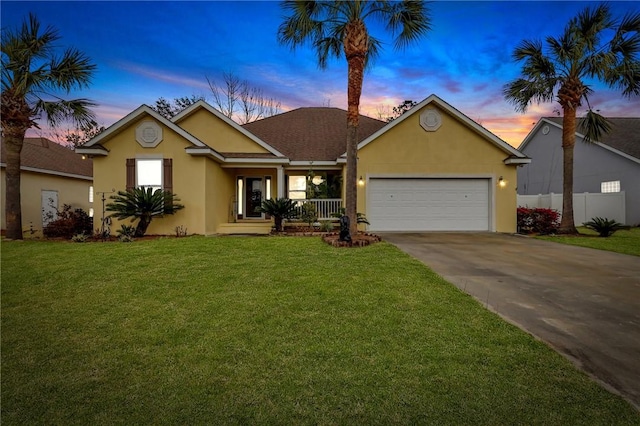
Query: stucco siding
x,y
220,196
218,134
592,165
74,192
188,177
453,150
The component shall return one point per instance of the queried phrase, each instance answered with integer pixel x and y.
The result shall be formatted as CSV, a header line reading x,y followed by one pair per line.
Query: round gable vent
x,y
149,134
430,120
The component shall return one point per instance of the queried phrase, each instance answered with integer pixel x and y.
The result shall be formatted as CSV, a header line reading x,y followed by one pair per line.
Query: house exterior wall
x,y
72,191
218,134
592,165
453,150
188,177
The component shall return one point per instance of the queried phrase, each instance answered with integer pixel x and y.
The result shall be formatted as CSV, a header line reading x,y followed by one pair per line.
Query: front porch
x,y
325,208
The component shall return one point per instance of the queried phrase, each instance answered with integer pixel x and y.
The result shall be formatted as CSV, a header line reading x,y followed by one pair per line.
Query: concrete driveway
x,y
585,303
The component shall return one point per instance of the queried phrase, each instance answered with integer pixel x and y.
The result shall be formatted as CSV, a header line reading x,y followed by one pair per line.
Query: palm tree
x,y
593,46
337,27
144,204
279,208
31,75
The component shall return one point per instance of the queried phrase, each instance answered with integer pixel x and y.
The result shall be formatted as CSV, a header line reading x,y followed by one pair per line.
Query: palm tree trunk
x,y
14,139
143,224
567,225
355,47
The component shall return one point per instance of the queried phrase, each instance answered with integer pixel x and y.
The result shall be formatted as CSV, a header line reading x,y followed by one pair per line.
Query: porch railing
x,y
324,207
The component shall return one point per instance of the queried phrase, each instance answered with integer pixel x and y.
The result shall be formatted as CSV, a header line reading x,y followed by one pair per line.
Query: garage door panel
x,y
429,204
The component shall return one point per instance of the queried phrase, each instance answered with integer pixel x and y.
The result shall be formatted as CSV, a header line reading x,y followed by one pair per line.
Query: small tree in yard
x,y
143,204
279,208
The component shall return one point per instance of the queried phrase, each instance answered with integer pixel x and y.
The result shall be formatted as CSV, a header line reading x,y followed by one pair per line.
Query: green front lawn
x,y
271,330
626,242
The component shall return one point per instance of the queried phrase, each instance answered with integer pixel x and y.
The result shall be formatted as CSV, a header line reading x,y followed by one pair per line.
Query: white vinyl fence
x,y
586,205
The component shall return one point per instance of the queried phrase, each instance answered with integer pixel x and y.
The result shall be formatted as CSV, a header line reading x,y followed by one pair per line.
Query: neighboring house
x,y
52,176
609,165
431,169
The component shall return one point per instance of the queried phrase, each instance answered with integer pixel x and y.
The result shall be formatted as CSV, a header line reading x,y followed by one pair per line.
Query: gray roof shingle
x,y
624,135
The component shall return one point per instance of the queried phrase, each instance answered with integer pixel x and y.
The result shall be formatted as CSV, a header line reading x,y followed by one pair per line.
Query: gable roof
x,y
515,156
203,105
94,147
623,139
624,135
44,156
311,134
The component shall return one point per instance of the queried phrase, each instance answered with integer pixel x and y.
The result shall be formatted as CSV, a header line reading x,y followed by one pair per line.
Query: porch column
x,y
280,181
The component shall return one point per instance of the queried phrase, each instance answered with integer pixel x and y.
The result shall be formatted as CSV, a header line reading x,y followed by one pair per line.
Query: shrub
x,y
126,231
279,208
181,231
360,217
603,226
68,223
326,226
80,238
309,213
143,204
539,221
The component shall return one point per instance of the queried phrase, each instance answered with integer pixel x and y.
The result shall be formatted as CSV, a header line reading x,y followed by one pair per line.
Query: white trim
x,y
51,172
206,151
92,151
202,104
433,99
315,165
240,160
134,115
510,160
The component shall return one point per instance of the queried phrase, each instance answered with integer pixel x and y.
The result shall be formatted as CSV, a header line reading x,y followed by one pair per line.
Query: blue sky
x,y
152,49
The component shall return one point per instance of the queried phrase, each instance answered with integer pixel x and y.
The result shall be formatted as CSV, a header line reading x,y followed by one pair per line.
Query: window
x,y
91,193
149,173
611,186
267,187
156,173
297,187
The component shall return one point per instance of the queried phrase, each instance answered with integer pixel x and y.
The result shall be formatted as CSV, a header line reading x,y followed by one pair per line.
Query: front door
x,y
253,197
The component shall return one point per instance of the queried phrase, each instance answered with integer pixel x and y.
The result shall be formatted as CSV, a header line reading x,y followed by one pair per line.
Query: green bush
x,y
603,226
309,214
279,208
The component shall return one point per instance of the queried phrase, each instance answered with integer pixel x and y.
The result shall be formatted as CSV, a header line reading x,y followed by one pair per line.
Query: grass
x,y
625,241
267,331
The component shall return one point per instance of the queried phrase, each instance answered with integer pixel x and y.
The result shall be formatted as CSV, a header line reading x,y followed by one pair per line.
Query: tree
x,y
238,100
143,204
32,74
169,109
83,133
592,46
397,111
334,28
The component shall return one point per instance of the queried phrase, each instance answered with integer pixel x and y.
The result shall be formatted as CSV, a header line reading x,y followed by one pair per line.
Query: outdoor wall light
x,y
361,181
501,182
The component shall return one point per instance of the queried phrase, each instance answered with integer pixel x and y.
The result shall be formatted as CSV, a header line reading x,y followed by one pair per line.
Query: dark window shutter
x,y
131,173
167,173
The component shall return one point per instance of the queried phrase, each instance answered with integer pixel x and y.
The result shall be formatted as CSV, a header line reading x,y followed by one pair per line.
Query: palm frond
x,y
594,126
73,70
409,19
60,110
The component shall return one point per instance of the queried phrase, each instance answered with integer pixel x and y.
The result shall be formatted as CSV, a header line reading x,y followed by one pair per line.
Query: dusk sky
x,y
148,50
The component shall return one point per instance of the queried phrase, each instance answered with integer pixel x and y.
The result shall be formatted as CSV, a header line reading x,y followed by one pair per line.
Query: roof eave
x,y
101,151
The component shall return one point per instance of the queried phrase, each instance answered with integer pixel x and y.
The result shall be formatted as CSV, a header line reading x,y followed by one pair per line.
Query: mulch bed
x,y
361,239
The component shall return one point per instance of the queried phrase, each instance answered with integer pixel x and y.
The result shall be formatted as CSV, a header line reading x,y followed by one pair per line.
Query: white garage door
x,y
428,204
